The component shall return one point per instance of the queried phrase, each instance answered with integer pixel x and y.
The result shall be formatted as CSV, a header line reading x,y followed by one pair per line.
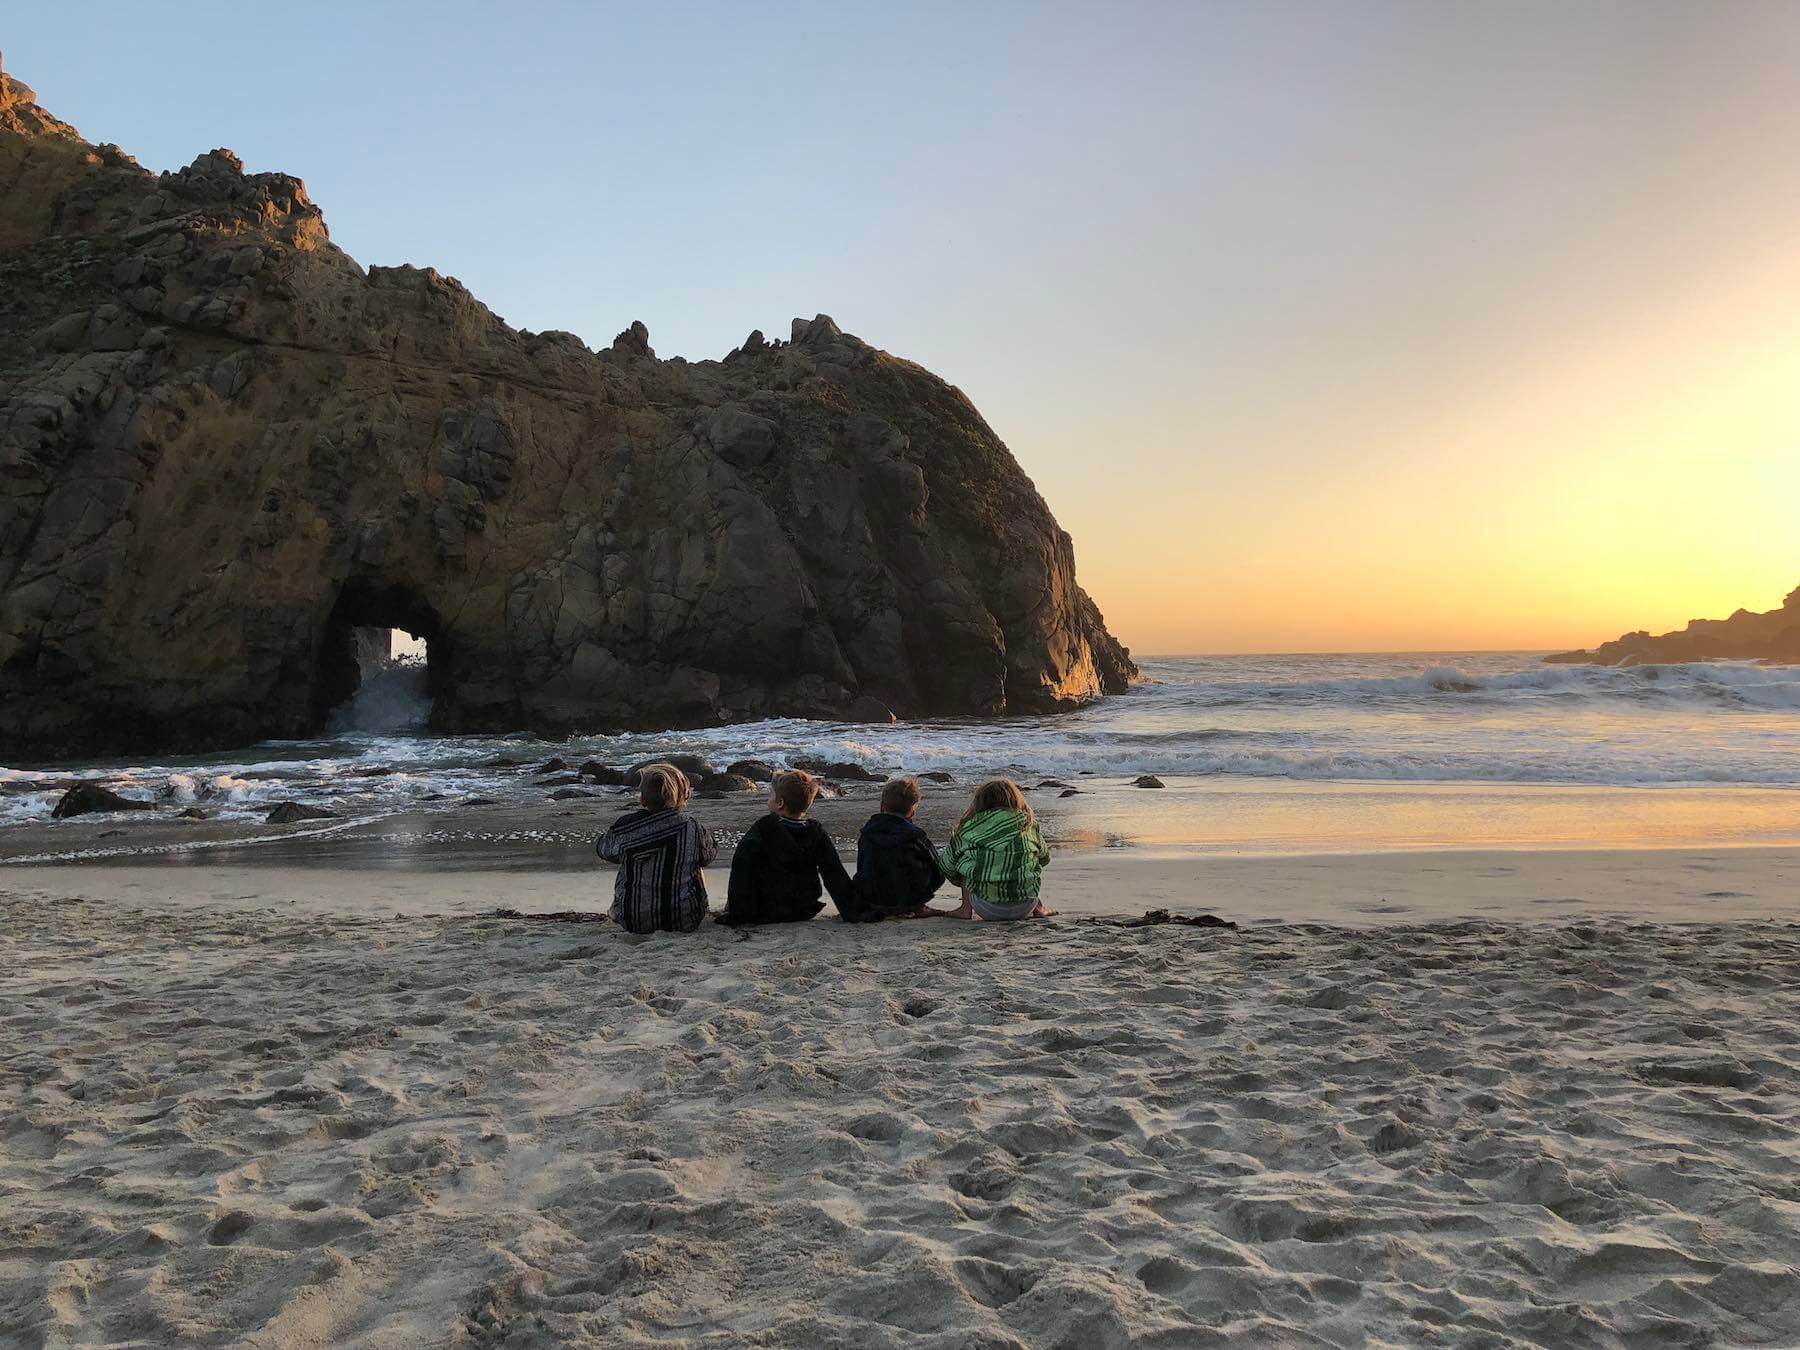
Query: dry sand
x,y
279,1112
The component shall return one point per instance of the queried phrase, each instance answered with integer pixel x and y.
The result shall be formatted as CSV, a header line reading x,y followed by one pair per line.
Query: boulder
x,y
740,437
1148,780
935,776
1070,792
596,772
588,541
723,783
88,798
694,766
192,813
290,813
555,765
565,794
839,769
757,770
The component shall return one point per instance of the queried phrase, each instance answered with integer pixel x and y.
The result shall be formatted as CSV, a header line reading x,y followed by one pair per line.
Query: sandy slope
x,y
226,1123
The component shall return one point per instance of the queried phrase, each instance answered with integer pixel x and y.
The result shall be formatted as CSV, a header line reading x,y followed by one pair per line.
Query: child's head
x,y
663,787
997,794
792,792
900,796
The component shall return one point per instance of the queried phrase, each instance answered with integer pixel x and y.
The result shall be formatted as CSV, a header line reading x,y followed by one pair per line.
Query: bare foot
x,y
1042,911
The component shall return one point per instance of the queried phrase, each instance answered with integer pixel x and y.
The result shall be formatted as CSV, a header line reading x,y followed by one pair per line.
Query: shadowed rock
x,y
88,798
291,813
227,446
1772,636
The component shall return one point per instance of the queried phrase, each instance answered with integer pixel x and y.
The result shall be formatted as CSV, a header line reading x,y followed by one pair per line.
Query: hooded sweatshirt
x,y
999,855
896,869
777,870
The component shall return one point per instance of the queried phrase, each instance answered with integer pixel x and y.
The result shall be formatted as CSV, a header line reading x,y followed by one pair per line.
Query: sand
x,y
280,1107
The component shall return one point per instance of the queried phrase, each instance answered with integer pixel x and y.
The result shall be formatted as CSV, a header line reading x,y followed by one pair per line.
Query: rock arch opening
x,y
382,663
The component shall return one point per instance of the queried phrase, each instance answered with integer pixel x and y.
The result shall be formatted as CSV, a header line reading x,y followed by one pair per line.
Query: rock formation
x,y
226,446
1773,636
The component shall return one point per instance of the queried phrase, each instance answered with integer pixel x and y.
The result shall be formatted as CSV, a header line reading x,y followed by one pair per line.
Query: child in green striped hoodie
x,y
997,856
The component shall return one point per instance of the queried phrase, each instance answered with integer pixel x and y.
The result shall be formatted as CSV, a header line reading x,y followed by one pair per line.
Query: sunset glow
x,y
1319,327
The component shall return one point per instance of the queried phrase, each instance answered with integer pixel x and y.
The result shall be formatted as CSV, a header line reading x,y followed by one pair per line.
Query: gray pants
x,y
995,911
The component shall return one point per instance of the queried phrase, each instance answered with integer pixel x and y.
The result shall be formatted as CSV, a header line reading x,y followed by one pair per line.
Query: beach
x,y
1500,1051
323,1106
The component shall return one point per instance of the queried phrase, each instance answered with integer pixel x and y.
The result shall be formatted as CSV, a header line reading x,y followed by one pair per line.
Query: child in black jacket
x,y
777,871
896,867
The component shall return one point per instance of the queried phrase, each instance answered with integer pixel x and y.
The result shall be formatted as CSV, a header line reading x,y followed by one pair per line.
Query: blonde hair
x,y
663,787
900,795
998,794
795,789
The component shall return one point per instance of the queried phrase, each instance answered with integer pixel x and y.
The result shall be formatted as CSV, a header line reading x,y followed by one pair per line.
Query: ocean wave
x,y
1706,684
1476,719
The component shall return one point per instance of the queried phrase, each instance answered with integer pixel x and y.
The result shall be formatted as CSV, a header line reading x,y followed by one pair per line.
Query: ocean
x,y
1258,752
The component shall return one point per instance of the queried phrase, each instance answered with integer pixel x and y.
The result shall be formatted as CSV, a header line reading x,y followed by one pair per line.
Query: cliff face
x,y
1773,636
226,445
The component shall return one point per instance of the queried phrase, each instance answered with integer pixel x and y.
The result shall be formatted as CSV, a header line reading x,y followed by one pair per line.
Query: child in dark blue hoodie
x,y
784,861
896,867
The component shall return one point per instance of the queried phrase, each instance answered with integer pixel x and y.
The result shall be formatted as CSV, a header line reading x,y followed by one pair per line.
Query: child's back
x,y
785,861
896,867
998,855
660,852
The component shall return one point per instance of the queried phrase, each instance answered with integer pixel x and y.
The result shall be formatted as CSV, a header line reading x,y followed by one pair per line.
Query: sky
x,y
1322,326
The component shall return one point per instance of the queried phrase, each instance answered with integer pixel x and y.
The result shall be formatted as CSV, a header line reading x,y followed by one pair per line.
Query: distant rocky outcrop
x,y
226,446
1773,636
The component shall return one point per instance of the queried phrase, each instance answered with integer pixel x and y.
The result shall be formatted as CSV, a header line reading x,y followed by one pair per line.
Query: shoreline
x,y
1669,886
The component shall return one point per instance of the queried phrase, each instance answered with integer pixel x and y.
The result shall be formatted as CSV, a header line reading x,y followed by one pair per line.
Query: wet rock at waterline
x,y
602,775
292,813
90,798
1148,780
228,447
846,772
722,784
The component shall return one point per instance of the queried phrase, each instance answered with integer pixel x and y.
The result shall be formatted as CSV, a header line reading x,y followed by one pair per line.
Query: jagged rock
x,y
756,770
226,447
556,764
831,768
1772,636
87,798
1148,780
289,813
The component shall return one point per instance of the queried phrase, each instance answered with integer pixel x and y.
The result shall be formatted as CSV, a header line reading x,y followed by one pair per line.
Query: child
x,y
660,853
777,870
896,867
997,856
